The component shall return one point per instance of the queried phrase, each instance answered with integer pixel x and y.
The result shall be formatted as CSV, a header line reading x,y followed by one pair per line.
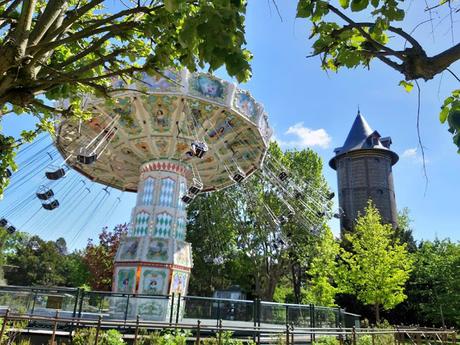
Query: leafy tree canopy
x,y
343,39
376,267
57,49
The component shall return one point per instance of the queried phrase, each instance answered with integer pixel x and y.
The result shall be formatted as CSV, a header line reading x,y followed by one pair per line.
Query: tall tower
x,y
364,171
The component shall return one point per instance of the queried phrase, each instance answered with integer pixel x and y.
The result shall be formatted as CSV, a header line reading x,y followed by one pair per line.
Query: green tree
x,y
75,270
245,245
57,49
321,288
404,230
377,266
8,245
343,38
99,258
36,262
434,293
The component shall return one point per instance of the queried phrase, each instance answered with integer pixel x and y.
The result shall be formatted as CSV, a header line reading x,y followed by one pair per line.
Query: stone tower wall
x,y
364,175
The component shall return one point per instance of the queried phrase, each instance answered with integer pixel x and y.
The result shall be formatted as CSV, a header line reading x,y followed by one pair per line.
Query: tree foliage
x,y
321,287
57,49
99,258
343,39
234,235
435,283
377,266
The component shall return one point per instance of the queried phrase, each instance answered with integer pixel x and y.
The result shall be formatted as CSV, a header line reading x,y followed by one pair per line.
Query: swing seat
x,y
3,222
56,174
298,195
44,193
8,173
11,229
283,219
320,214
199,149
51,205
283,176
330,196
196,187
187,199
86,159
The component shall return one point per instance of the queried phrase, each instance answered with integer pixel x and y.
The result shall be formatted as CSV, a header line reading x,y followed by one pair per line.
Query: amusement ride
x,y
168,137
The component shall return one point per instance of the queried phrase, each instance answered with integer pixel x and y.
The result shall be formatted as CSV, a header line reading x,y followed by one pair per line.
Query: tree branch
x,y
52,11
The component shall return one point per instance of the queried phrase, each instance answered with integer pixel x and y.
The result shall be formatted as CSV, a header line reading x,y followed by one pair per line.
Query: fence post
x,y
219,336
287,315
98,329
75,305
136,331
418,337
198,331
287,335
178,308
454,339
53,335
126,310
5,320
353,335
171,311
373,335
341,335
33,302
218,312
292,333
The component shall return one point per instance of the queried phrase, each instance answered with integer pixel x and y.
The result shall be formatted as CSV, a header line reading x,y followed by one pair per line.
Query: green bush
x,y
326,341
88,336
163,338
364,340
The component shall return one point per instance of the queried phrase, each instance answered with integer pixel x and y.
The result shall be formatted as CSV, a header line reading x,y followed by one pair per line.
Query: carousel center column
x,y
154,259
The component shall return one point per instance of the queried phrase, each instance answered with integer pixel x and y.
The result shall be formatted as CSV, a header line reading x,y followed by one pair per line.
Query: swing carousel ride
x,y
167,137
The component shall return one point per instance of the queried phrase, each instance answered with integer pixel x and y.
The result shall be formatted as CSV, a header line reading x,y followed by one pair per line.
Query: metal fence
x,y
77,303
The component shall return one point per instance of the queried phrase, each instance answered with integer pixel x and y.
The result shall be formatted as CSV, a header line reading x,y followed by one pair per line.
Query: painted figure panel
x,y
158,250
154,281
128,249
126,280
207,86
179,282
246,105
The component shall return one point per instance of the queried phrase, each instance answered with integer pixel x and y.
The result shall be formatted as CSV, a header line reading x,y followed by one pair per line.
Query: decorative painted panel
x,y
179,282
154,281
182,254
126,280
148,192
152,309
180,229
163,225
142,224
246,105
167,192
128,249
206,86
158,250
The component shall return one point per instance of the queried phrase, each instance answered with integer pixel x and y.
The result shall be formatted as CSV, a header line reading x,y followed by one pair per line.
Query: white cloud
x,y
409,153
413,155
306,137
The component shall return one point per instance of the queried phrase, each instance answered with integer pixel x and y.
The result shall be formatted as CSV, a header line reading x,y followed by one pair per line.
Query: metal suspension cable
x,y
26,148
96,209
30,218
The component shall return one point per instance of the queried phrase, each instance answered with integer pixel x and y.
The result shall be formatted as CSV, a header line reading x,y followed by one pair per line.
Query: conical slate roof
x,y
362,137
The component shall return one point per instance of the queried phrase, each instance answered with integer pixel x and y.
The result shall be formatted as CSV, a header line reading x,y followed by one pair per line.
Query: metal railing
x,y
132,330
77,303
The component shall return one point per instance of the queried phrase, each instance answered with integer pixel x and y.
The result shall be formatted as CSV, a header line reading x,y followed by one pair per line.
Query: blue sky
x,y
310,108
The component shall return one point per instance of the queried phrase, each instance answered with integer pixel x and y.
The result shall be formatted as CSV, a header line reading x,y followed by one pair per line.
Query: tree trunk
x,y
377,312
